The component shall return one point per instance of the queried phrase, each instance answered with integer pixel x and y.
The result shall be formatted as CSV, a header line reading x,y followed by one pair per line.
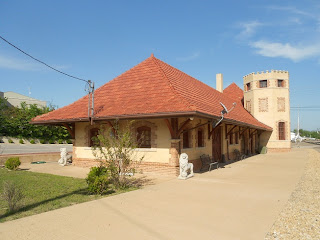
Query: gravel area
x,y
300,219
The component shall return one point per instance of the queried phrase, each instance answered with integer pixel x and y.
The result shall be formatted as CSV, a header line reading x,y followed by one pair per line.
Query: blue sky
x,y
99,40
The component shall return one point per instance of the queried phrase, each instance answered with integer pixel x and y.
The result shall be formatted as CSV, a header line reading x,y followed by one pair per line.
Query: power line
x,y
90,84
47,65
306,107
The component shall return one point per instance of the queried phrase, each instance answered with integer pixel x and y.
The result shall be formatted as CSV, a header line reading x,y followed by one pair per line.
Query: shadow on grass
x,y
135,182
82,191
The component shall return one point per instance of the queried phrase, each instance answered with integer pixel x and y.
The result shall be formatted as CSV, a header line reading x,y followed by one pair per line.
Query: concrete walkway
x,y
56,169
240,201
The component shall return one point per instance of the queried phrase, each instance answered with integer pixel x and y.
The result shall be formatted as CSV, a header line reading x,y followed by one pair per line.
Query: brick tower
x,y
266,97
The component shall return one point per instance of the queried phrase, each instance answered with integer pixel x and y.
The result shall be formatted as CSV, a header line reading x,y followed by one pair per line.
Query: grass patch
x,y
44,192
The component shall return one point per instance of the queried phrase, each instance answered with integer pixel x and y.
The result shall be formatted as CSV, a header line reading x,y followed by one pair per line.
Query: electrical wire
x,y
306,107
47,65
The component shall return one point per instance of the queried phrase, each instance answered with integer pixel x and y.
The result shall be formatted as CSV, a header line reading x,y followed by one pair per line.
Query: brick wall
x,y
144,167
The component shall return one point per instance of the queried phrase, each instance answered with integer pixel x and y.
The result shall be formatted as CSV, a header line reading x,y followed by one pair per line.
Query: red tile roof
x,y
152,88
234,92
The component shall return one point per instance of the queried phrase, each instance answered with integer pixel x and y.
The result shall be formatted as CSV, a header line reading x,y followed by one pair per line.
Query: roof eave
x,y
148,116
58,121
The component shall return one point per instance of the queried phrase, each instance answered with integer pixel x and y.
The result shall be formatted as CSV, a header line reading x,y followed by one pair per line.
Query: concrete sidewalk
x,y
56,169
240,201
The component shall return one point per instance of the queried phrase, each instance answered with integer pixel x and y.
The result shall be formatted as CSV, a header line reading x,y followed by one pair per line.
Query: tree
x,y
306,133
116,148
15,122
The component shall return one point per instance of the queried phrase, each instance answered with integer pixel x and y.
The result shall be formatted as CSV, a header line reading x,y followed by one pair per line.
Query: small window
x,y
280,83
94,132
248,106
263,83
248,85
231,138
144,137
186,143
281,129
236,136
200,138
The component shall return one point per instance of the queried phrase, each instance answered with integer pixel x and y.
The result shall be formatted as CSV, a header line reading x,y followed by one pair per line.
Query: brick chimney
x,y
219,82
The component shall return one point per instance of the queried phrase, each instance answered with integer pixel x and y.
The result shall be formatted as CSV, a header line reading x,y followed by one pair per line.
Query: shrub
x,y
51,141
118,146
12,194
69,141
32,141
10,140
60,141
21,141
12,163
42,141
98,180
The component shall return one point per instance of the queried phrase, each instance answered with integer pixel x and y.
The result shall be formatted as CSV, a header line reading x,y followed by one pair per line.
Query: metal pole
x,y
89,91
92,102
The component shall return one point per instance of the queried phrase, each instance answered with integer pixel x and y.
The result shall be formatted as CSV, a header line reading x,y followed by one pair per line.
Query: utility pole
x,y
90,89
298,135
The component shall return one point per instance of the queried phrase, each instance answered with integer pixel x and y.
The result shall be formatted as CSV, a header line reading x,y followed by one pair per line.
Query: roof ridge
x,y
155,60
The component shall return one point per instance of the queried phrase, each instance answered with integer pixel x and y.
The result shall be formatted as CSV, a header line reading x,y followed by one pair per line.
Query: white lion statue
x,y
185,167
64,157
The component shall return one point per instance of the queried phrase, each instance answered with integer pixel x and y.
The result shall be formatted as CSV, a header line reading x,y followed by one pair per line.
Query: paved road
x,y
306,145
240,201
32,148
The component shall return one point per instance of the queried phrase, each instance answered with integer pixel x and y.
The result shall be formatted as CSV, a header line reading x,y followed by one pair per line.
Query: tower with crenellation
x,y
266,97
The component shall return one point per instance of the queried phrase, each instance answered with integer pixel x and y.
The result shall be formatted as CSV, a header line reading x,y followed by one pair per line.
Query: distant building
x,y
15,99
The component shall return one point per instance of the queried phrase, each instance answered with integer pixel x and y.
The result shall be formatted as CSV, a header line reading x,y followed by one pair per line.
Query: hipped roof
x,y
152,88
234,92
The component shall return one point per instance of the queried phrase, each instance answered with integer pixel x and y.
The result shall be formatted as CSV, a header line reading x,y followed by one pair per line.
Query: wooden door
x,y
216,144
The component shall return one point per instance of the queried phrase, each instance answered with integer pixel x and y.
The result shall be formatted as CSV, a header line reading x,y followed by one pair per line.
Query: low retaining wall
x,y
145,167
32,157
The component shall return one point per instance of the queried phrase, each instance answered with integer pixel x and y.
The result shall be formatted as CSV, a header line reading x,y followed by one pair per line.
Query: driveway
x,y
240,201
13,148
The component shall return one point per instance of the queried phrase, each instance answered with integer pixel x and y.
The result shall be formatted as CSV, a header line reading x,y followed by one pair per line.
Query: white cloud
x,y
17,64
189,58
295,20
291,10
249,28
286,50
24,65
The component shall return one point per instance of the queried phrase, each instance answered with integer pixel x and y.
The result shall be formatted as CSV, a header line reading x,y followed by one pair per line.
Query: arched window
x,y
144,137
200,138
93,134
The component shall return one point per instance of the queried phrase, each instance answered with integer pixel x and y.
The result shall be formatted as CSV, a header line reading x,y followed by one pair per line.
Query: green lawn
x,y
43,192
